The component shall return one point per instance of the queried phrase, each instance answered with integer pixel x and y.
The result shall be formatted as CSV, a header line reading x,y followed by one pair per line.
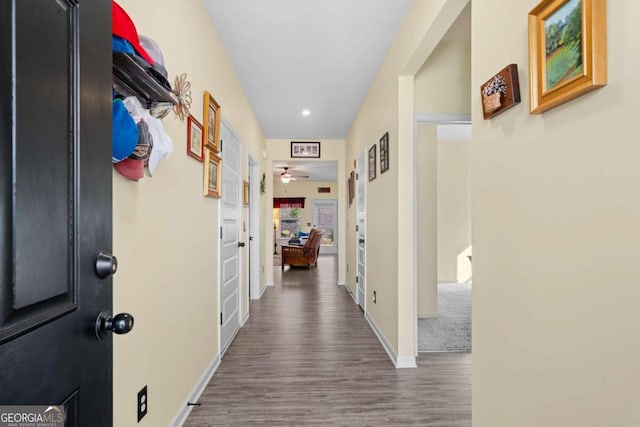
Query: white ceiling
x,y
316,170
320,55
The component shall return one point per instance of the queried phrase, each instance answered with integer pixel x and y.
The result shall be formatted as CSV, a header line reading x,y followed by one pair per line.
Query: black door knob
x,y
241,244
106,265
119,324
361,240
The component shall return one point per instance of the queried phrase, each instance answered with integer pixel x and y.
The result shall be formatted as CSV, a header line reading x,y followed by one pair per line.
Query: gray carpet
x,y
451,331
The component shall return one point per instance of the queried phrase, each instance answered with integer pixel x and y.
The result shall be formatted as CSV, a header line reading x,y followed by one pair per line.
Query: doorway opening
x,y
303,193
442,195
444,235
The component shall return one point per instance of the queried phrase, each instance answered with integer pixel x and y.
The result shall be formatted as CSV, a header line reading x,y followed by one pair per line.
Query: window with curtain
x,y
288,202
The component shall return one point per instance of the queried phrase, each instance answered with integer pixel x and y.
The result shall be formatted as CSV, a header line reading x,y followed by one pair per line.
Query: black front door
x,y
55,205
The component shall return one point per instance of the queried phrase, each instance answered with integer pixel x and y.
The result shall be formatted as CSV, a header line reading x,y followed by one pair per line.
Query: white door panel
x,y
361,230
229,250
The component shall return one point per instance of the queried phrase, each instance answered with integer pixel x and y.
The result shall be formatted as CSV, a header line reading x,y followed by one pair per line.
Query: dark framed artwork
x,y
351,187
500,92
195,139
384,153
372,162
305,150
567,51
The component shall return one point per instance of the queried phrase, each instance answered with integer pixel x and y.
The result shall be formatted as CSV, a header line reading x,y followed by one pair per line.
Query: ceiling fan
x,y
287,176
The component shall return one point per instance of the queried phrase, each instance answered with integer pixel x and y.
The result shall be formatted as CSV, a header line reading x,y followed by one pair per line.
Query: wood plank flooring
x,y
307,356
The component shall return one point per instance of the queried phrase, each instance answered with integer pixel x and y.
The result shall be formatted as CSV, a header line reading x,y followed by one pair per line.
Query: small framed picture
x,y
245,193
351,187
305,150
384,153
500,92
372,162
195,141
212,114
212,174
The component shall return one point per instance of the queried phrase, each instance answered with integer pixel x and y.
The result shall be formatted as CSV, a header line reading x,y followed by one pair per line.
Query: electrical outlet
x,y
374,297
143,403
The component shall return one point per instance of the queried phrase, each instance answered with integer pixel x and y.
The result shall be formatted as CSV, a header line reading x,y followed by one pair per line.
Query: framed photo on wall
x,y
372,162
211,116
245,193
352,187
501,92
195,139
305,150
567,51
384,153
212,174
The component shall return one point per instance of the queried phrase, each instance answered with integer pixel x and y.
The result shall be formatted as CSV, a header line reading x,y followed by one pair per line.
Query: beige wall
x,y
555,235
454,210
443,83
332,150
308,190
444,215
426,189
165,231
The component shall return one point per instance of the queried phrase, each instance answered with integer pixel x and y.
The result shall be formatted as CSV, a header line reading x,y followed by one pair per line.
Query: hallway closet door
x,y
361,211
230,244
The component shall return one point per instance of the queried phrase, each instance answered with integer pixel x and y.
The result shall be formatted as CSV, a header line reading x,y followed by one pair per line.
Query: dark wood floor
x,y
307,356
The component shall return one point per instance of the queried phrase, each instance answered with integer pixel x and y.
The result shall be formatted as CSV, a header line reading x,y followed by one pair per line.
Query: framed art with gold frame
x,y
245,193
212,113
212,174
567,51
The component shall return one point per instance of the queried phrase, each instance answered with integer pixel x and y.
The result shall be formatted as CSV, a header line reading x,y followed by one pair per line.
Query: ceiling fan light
x,y
285,179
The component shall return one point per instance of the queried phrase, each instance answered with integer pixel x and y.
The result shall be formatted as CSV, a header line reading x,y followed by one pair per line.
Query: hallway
x,y
308,357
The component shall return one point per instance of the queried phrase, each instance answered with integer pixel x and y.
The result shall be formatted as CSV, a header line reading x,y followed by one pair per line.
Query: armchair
x,y
303,256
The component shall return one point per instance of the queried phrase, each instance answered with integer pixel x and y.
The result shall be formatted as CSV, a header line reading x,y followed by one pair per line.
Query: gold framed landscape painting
x,y
567,51
212,174
211,123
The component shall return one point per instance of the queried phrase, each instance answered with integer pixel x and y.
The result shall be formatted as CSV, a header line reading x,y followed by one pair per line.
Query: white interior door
x,y
325,218
361,210
254,229
230,234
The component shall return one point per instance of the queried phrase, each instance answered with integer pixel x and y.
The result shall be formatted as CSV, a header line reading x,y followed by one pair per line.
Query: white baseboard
x,y
244,319
184,412
342,283
398,362
406,362
353,295
269,284
256,298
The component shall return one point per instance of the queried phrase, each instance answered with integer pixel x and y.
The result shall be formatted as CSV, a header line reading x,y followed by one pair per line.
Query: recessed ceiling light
x,y
306,112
